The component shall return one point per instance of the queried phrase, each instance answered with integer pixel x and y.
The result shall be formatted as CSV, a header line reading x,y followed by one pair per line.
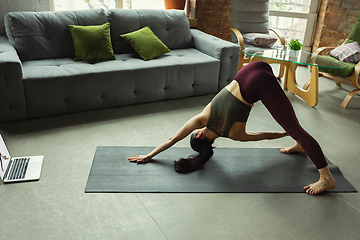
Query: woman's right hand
x,y
139,158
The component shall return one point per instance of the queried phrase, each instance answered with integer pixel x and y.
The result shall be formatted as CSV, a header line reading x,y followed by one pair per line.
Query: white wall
x,y
21,5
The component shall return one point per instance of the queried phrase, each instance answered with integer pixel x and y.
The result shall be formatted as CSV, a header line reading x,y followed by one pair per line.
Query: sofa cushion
x,y
170,26
92,42
145,43
44,35
68,86
345,72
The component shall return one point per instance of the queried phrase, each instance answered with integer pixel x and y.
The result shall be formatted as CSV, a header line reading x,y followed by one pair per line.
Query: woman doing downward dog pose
x,y
226,116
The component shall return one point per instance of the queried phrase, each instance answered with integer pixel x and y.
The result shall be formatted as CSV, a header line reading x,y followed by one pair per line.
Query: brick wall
x,y
192,8
335,21
214,17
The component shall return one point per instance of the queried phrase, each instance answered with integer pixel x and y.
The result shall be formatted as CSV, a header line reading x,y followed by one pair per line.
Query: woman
x,y
227,114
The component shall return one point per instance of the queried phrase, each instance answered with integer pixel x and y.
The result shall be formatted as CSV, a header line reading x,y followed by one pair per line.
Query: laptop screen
x,y
4,158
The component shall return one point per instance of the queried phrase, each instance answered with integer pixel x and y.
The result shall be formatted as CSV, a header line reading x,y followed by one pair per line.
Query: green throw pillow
x,y
92,42
146,43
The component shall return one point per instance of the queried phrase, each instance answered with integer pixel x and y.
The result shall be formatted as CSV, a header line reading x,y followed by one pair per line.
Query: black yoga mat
x,y
245,170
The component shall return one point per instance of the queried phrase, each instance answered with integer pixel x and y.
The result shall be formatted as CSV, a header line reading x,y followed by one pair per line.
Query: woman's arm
x,y
195,122
238,133
257,136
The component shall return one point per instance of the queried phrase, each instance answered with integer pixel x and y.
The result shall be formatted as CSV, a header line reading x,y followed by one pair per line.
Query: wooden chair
x,y
352,80
351,74
252,16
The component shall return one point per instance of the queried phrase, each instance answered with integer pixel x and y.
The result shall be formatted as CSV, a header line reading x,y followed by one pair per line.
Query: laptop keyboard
x,y
19,168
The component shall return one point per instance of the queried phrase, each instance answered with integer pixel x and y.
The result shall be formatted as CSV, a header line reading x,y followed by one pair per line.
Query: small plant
x,y
295,44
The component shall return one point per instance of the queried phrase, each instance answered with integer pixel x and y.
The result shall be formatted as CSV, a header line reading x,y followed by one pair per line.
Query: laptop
x,y
18,169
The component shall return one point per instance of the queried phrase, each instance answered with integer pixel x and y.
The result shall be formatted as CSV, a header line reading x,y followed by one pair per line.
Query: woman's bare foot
x,y
294,148
320,186
325,182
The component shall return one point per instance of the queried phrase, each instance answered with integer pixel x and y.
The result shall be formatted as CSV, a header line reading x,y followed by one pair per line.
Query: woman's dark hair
x,y
192,163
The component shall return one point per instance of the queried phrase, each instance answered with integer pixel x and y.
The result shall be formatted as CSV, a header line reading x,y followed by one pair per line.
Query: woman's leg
x,y
264,86
281,109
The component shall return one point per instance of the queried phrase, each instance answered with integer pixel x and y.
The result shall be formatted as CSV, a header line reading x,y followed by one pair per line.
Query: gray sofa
x,y
38,76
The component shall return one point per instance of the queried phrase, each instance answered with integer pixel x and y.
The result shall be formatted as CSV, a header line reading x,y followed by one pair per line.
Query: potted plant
x,y
295,45
175,4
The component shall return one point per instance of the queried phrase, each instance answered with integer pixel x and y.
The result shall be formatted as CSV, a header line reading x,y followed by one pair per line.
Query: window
x,y
63,5
143,4
287,5
294,19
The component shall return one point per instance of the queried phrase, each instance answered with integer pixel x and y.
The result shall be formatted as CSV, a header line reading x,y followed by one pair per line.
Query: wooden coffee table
x,y
310,91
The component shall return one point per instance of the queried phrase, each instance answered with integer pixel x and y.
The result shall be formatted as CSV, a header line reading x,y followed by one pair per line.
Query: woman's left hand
x,y
139,158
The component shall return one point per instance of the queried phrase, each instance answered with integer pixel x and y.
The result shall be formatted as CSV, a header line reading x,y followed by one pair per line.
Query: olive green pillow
x,y
354,35
146,43
92,42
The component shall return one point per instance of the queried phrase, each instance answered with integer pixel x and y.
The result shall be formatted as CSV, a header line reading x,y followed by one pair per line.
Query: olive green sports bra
x,y
226,109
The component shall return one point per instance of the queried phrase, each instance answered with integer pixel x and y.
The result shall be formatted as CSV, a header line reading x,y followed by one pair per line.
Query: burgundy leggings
x,y
257,82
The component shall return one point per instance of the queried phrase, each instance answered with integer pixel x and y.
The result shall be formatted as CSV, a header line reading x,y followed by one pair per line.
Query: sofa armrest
x,y
12,97
227,52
